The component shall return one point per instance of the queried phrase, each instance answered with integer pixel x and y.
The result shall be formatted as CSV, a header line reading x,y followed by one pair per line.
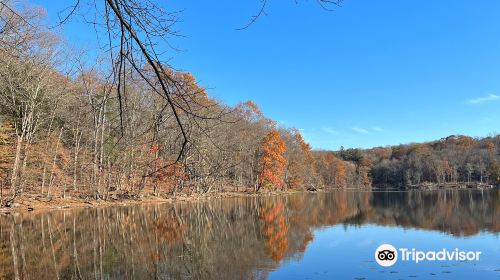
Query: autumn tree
x,y
340,172
365,166
333,171
301,166
272,161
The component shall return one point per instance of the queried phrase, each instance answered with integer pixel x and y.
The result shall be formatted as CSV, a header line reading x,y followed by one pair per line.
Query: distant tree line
x,y
454,160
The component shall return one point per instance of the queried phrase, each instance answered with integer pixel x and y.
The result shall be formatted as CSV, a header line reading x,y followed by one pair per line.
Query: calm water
x,y
305,236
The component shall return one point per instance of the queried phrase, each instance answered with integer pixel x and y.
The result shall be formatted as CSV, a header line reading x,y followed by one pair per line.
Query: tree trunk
x,y
51,180
17,158
78,138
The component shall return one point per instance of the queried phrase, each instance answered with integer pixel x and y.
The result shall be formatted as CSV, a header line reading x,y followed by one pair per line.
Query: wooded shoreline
x,y
451,185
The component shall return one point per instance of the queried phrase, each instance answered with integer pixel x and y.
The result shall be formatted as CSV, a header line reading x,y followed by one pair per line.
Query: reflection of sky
x,y
348,253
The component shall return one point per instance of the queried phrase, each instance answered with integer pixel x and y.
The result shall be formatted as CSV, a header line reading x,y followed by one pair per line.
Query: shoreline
x,y
33,204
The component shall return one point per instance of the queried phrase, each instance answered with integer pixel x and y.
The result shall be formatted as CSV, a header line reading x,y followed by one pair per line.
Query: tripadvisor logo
x,y
387,255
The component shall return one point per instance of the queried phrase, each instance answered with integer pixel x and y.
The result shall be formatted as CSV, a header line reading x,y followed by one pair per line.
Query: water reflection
x,y
238,238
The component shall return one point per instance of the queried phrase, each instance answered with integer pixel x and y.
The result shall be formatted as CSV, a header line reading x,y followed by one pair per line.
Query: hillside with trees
x,y
454,161
70,128
131,127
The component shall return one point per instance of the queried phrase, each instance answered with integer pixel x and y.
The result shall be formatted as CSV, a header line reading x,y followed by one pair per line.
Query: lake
x,y
325,235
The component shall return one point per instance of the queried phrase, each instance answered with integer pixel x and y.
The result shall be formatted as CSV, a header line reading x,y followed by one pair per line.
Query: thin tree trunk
x,y
78,138
1,192
51,181
17,158
49,132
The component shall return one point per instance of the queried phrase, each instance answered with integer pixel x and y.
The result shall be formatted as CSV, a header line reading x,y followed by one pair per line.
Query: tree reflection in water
x,y
238,238
274,229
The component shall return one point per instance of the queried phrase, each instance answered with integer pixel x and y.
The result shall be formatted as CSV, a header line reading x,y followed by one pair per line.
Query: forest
x,y
70,128
131,126
456,160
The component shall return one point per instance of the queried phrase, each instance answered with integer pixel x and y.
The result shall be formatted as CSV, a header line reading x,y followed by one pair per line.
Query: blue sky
x,y
370,73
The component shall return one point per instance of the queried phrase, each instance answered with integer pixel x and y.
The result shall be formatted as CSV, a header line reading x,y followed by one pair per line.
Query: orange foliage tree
x,y
168,175
333,171
272,161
